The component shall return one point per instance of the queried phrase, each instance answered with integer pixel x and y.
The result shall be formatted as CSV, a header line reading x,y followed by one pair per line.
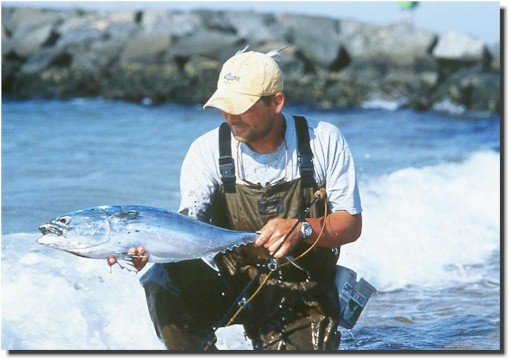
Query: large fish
x,y
105,231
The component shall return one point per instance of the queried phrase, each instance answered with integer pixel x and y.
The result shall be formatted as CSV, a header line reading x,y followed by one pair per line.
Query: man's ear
x,y
279,101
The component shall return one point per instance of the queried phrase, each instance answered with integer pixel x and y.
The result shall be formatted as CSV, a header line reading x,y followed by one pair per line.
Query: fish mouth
x,y
47,229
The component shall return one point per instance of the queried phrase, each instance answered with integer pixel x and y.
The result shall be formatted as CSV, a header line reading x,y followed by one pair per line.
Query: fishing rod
x,y
272,265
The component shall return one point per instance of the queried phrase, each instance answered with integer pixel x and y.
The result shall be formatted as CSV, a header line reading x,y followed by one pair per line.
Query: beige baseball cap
x,y
244,79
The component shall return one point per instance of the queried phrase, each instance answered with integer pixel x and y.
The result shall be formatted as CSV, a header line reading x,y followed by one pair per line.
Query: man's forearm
x,y
341,228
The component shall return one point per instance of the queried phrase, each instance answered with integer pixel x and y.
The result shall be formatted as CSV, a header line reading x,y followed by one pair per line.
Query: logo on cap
x,y
230,77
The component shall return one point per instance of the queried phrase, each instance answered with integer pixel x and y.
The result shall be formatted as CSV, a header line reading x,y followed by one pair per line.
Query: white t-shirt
x,y
332,161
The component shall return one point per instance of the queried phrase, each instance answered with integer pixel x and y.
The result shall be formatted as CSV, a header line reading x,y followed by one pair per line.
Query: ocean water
x,y
430,187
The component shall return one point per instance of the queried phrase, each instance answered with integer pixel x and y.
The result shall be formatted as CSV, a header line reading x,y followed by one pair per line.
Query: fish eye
x,y
64,220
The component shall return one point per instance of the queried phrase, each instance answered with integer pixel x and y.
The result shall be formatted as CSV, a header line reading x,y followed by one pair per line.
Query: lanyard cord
x,y
240,166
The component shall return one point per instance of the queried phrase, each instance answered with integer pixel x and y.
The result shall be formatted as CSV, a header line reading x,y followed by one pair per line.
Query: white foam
x,y
427,226
422,227
449,107
380,103
53,300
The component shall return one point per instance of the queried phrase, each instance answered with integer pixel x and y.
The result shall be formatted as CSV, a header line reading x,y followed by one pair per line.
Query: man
x,y
258,172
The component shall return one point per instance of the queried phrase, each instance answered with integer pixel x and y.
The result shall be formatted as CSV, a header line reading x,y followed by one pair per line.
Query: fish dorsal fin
x,y
128,215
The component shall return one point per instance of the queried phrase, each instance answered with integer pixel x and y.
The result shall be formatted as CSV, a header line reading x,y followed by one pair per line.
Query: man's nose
x,y
229,118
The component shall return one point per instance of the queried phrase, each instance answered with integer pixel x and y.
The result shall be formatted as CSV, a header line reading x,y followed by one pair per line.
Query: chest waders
x,y
296,309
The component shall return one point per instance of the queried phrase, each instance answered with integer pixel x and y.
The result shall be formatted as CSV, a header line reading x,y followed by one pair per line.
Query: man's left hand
x,y
273,233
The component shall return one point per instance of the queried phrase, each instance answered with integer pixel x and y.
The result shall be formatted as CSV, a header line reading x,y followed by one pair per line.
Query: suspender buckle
x,y
305,162
227,168
226,162
228,173
305,153
307,171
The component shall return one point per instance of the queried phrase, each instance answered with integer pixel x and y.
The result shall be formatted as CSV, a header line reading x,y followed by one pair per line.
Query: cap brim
x,y
230,102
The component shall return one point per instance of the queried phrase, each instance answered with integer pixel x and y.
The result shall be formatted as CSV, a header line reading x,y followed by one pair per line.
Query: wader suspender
x,y
305,155
227,168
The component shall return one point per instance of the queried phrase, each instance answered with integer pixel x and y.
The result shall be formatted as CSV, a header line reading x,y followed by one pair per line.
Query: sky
x,y
478,18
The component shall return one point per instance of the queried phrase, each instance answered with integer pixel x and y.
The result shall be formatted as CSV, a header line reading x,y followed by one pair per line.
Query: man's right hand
x,y
140,257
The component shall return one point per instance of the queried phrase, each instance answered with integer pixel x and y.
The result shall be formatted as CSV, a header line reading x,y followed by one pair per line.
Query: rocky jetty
x,y
159,56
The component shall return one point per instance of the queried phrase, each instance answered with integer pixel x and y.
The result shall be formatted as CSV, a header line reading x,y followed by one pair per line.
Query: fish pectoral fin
x,y
209,260
127,263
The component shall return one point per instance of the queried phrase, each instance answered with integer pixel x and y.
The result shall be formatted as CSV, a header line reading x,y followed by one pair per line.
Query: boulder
x,y
460,47
318,38
255,28
29,29
197,65
471,88
121,32
59,82
101,54
119,16
7,46
485,92
203,74
77,19
41,60
289,59
455,52
11,65
205,42
95,40
326,90
407,87
79,37
176,24
146,48
216,20
80,45
30,41
25,19
170,56
136,81
397,45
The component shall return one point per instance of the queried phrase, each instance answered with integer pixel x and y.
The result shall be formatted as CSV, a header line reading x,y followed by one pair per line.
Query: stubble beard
x,y
252,136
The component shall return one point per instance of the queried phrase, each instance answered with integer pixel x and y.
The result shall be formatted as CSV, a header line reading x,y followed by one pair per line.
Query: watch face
x,y
306,229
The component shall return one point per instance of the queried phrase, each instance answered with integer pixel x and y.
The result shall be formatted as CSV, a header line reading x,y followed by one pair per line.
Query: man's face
x,y
255,123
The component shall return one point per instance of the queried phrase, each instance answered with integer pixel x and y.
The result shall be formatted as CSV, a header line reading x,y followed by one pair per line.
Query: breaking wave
x,y
430,226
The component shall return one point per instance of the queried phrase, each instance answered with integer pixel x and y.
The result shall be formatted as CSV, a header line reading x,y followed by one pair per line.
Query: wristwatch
x,y
306,230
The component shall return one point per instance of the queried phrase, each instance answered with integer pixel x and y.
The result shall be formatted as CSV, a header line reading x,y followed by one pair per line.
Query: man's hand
x,y
273,233
140,257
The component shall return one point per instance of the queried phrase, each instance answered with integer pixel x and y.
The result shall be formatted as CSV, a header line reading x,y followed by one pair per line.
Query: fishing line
x,y
316,241
249,299
319,194
279,266
240,301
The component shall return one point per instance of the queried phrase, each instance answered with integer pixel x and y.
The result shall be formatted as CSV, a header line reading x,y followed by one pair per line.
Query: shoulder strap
x,y
227,167
305,155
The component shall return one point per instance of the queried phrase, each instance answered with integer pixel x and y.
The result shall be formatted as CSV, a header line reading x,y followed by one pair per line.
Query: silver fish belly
x,y
105,231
